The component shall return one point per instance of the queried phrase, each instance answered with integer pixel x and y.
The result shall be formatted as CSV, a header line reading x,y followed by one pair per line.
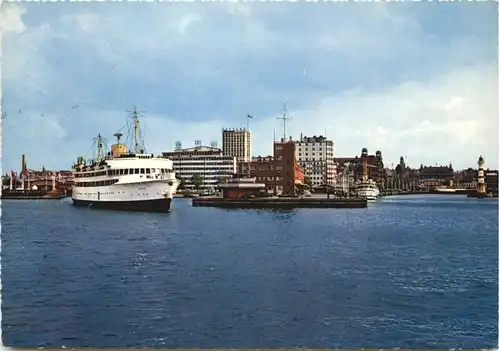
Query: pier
x,y
279,202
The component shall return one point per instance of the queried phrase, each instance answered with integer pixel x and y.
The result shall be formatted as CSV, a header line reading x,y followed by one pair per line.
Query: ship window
x,y
121,171
153,170
126,171
148,170
142,171
136,171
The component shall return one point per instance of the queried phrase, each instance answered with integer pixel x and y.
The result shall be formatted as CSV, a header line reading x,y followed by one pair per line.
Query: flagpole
x,y
248,122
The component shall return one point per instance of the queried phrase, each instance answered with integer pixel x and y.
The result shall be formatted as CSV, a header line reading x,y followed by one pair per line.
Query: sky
x,y
418,80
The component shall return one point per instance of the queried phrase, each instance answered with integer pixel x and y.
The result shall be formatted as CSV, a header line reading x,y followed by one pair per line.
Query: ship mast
x,y
99,147
365,170
136,131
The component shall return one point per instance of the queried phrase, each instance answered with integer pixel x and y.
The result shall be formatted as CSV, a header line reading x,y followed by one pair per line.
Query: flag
x,y
249,116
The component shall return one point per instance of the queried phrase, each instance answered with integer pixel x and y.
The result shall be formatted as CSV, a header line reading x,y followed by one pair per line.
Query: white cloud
x,y
186,21
414,119
372,75
88,22
10,18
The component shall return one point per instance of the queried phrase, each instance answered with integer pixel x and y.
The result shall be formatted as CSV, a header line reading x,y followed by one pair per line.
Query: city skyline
x,y
417,80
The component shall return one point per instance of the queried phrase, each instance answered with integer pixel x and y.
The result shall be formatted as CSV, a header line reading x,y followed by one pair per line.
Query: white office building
x,y
237,143
316,156
208,163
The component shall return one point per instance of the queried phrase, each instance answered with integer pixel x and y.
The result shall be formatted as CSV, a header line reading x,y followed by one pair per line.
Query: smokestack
x,y
23,163
301,137
54,183
11,176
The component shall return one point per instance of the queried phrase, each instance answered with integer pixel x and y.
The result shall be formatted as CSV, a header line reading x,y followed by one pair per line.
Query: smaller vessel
x,y
367,188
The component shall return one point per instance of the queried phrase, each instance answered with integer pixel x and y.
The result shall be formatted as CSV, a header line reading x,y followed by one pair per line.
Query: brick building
x,y
280,173
375,165
491,180
437,175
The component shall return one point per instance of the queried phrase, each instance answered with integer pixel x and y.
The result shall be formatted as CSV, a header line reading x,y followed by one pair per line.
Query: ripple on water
x,y
410,273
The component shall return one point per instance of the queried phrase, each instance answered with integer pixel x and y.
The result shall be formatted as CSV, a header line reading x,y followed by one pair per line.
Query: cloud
x,y
186,21
10,19
412,80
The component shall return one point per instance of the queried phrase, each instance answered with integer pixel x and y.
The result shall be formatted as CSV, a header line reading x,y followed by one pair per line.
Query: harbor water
x,y
408,271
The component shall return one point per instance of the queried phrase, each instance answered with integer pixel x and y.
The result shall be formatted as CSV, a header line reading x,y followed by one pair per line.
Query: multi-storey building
x,y
375,165
281,174
316,156
237,143
440,174
263,168
491,180
208,164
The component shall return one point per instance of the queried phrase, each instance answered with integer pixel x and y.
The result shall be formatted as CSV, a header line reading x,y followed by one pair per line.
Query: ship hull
x,y
157,205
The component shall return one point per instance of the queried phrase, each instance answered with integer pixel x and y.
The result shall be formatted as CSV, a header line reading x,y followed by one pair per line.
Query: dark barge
x,y
279,202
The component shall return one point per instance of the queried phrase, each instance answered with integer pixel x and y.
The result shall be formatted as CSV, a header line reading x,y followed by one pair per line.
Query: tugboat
x,y
125,180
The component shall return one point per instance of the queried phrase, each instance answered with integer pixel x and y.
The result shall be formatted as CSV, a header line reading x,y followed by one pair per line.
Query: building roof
x,y
345,159
313,139
199,149
436,169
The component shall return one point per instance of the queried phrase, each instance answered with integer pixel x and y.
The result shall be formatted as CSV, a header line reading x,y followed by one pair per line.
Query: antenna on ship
x,y
118,136
365,170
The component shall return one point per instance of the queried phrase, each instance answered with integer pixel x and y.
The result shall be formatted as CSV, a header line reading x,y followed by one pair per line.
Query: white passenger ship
x,y
367,188
123,180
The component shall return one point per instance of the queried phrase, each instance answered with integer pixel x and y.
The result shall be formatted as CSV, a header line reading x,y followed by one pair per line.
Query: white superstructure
x,y
369,190
125,180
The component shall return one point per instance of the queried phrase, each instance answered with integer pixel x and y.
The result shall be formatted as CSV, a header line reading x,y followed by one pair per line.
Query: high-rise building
x,y
208,164
237,143
316,156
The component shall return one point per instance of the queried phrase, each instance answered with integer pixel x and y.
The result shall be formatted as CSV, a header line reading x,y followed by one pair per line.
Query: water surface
x,y
409,272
